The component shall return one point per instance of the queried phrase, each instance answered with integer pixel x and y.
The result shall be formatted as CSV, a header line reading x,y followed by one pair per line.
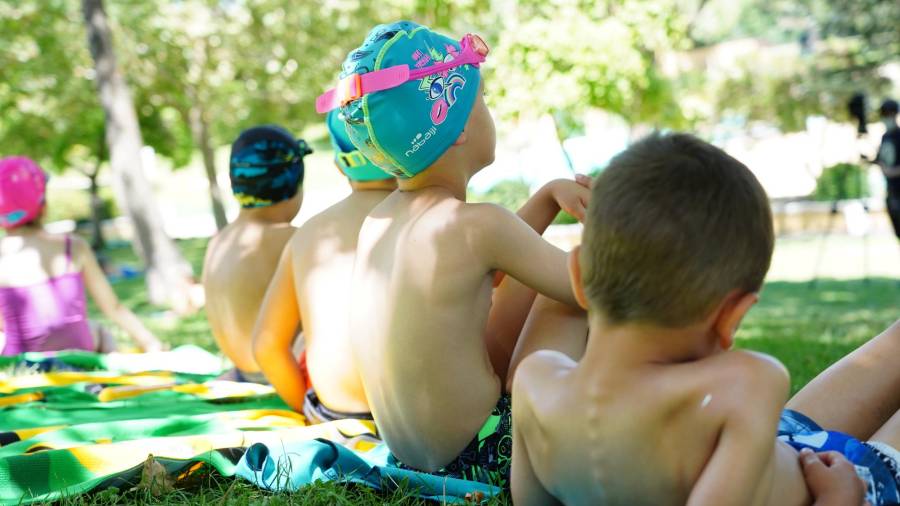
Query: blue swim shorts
x,y
876,463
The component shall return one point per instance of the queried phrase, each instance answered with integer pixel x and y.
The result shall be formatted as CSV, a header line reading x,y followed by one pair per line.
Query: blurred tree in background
x,y
200,71
817,54
562,57
168,274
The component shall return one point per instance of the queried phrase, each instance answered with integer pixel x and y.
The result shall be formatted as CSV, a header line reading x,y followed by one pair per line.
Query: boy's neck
x,y
891,125
444,174
383,185
269,215
622,346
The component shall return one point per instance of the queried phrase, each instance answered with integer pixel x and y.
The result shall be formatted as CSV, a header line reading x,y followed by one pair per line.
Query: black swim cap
x,y
266,165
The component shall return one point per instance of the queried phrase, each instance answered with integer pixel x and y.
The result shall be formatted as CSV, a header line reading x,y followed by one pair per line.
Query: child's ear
x,y
575,277
731,314
463,137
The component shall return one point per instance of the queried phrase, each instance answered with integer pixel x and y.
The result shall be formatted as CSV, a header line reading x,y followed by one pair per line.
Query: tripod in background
x,y
854,209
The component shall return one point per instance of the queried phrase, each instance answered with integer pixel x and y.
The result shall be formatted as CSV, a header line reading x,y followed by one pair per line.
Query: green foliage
x,y
564,218
827,50
255,61
563,57
841,181
47,99
73,204
511,194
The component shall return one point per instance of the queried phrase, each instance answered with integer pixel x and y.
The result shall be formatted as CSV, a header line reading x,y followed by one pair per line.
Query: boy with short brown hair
x,y
677,242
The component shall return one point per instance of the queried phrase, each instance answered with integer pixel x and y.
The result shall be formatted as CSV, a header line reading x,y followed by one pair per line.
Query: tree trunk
x,y
168,274
97,240
200,130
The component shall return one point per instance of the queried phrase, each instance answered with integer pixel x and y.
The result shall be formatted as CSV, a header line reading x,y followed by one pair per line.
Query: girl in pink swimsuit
x,y
44,277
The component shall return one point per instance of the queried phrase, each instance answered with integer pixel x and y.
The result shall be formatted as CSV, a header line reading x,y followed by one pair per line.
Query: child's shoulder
x,y
544,363
744,378
750,364
486,217
537,374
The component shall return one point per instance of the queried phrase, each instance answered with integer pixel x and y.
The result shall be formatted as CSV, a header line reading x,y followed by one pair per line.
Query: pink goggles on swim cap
x,y
22,188
473,51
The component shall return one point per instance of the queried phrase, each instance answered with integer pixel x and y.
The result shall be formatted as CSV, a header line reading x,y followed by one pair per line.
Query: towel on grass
x,y
71,431
290,466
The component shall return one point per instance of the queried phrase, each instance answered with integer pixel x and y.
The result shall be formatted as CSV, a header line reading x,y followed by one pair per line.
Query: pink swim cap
x,y
22,187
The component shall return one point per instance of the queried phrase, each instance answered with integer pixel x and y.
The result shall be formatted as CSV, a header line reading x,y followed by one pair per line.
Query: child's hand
x,y
572,196
150,343
832,479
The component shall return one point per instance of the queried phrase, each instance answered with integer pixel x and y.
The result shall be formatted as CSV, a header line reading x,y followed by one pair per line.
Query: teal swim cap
x,y
405,129
352,163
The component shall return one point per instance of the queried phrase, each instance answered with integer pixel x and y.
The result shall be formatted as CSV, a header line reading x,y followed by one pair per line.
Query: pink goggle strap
x,y
355,86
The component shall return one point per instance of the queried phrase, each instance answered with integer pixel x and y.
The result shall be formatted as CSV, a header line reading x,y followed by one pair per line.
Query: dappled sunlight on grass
x,y
169,327
808,327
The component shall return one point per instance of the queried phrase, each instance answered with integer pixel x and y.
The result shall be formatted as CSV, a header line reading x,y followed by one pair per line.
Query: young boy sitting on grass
x,y
311,289
266,171
432,347
677,241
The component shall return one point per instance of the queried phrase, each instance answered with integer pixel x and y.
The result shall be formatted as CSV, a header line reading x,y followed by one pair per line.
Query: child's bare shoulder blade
x,y
753,378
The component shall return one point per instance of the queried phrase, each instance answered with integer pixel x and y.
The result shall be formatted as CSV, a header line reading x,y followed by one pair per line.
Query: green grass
x,y
215,490
176,331
806,327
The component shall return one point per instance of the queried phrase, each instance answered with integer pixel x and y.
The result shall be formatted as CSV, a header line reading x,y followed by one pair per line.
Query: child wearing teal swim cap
x,y
266,171
310,290
432,338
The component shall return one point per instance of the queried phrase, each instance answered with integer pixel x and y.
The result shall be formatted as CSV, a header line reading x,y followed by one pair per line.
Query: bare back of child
x,y
422,307
659,410
644,434
240,262
311,289
266,171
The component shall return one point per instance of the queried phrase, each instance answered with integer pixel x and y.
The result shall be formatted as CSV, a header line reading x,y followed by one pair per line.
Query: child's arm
x,y
98,286
741,469
512,300
526,488
508,244
276,327
560,194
